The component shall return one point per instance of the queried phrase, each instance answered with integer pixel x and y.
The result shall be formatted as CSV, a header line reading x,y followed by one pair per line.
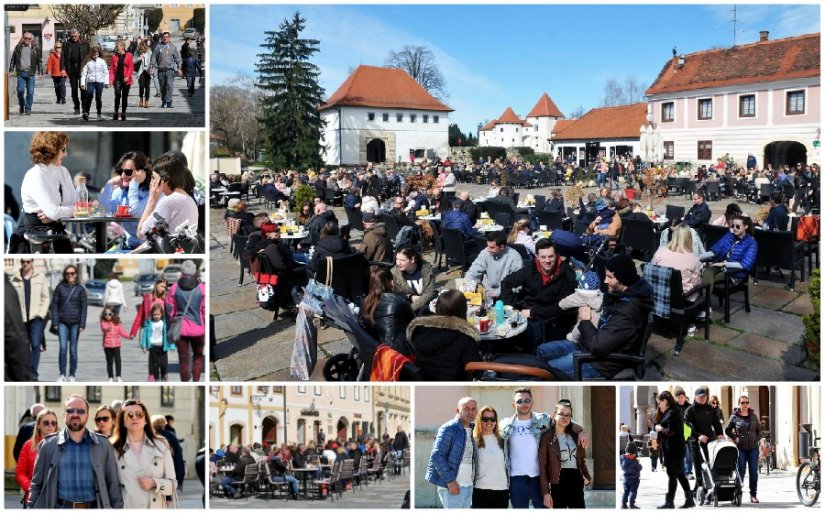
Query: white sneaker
x,y
691,330
111,380
71,378
62,378
119,379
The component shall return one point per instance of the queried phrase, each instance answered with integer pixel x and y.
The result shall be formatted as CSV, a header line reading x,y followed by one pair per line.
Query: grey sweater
x,y
494,268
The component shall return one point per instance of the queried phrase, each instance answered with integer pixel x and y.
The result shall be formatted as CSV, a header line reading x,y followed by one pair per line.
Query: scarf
x,y
547,278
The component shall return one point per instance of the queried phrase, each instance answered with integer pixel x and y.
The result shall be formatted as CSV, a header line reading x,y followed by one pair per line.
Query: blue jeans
x,y
524,489
464,499
631,487
25,84
35,327
688,461
68,335
190,84
226,484
166,80
559,356
293,483
752,459
93,90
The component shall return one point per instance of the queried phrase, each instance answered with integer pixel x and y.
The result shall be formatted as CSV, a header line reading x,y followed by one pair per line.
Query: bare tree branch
x,y
419,63
86,18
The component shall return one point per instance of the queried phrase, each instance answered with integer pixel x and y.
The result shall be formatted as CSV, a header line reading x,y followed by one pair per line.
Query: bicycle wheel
x,y
806,488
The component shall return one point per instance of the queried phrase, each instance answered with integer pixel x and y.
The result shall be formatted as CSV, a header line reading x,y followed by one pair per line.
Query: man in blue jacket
x,y
699,214
452,462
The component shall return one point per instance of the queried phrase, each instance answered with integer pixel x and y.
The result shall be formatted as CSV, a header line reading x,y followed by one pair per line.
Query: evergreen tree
x,y
291,122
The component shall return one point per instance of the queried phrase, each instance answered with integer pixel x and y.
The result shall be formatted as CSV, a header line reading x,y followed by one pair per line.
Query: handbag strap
x,y
328,278
70,296
188,301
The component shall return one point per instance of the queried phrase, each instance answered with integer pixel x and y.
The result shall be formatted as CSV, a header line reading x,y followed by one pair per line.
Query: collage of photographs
x,y
356,262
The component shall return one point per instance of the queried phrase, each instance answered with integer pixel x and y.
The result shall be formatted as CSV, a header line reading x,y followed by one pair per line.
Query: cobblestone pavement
x,y
191,497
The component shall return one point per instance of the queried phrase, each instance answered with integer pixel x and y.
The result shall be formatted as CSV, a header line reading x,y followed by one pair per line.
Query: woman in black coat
x,y
671,436
68,313
386,313
331,244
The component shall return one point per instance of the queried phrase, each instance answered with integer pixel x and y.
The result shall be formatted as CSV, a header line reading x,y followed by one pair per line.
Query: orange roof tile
x,y
372,86
621,122
764,61
545,108
562,124
490,125
509,117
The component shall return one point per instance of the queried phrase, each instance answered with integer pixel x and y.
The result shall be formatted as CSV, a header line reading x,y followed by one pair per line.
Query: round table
x,y
431,217
490,228
100,222
496,333
297,235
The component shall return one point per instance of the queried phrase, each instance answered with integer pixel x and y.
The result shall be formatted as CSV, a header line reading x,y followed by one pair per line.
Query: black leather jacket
x,y
392,315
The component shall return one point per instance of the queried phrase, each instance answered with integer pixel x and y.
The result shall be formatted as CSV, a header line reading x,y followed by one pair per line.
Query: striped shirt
x,y
75,477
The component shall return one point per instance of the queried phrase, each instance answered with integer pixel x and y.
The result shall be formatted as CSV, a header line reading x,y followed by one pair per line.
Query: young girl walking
x,y
157,344
94,77
112,331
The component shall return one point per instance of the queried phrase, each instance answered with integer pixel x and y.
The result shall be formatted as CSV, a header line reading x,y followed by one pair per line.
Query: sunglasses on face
x,y
744,402
25,261
488,419
524,401
48,423
103,419
133,414
737,226
107,314
565,415
78,411
70,274
127,172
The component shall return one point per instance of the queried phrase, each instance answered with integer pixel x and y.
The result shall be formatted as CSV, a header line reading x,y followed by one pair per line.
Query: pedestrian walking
x,y
33,291
141,62
120,77
113,297
26,64
187,298
631,470
670,430
54,67
166,64
112,330
191,69
93,79
156,342
74,53
68,319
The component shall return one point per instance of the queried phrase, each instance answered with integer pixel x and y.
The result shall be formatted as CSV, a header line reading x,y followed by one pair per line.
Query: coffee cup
x,y
123,210
484,324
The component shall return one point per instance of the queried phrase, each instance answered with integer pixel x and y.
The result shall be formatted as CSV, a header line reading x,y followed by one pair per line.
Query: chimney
x,y
763,35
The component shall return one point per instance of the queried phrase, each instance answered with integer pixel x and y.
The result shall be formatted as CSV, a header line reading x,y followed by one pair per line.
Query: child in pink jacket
x,y
112,330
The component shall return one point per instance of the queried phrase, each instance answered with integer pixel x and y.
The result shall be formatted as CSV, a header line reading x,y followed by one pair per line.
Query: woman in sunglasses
x,y
144,459
734,255
45,425
68,312
105,421
717,408
564,473
490,489
746,432
129,186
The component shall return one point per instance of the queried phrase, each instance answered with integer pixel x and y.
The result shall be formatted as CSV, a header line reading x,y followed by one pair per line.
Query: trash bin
x,y
804,441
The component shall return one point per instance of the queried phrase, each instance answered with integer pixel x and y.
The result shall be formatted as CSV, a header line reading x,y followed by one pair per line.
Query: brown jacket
x,y
376,244
550,460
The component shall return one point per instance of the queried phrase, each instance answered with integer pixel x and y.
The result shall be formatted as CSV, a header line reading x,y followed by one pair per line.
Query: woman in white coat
x,y
144,460
113,296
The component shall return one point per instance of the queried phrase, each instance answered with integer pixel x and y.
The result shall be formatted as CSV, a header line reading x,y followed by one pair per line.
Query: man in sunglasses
x,y
452,462
521,434
26,63
705,427
76,468
33,291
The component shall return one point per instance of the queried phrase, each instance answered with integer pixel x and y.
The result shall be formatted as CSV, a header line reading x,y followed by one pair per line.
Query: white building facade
x,y
509,130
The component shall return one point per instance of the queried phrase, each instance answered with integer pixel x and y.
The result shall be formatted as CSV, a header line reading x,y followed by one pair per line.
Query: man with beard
x,y
74,52
75,468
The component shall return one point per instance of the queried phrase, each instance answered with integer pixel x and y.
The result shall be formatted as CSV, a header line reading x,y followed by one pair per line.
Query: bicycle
x,y
807,478
766,451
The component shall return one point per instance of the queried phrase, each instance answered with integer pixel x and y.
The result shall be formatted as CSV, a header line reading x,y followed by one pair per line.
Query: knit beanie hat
x,y
623,269
589,281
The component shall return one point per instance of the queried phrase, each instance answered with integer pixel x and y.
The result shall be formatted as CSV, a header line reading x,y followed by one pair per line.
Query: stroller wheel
x,y
699,495
737,498
715,500
340,368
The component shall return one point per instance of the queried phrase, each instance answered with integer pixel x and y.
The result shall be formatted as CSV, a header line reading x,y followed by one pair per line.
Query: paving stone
x,y
790,353
768,323
800,306
774,298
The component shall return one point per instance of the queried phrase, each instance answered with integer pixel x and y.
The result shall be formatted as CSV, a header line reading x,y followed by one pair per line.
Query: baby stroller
x,y
720,477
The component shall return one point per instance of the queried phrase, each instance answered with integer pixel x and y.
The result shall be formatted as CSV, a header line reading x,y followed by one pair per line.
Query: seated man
x,y
316,222
399,214
777,216
468,206
237,473
377,246
494,264
699,214
624,315
536,290
457,219
279,475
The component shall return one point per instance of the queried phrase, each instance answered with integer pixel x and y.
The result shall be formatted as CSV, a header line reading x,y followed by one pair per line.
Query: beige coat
x,y
39,295
155,461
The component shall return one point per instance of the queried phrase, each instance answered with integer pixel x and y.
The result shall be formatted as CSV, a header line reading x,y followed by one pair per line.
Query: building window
x,y
236,390
425,118
167,397
342,392
263,390
795,103
366,394
705,108
501,129
316,390
412,118
399,117
705,149
385,117
435,118
356,393
94,394
747,106
278,390
370,116
302,389
53,394
668,150
667,112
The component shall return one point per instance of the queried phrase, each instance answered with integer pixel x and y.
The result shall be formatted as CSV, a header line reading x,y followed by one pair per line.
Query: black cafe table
x,y
100,223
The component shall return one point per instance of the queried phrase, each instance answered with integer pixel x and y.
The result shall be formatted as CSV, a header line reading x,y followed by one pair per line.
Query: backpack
x,y
408,236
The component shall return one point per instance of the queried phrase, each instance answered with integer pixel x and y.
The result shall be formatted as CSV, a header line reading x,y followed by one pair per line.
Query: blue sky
x,y
494,56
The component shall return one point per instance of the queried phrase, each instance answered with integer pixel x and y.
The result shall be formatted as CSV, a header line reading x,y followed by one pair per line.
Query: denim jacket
x,y
448,450
540,424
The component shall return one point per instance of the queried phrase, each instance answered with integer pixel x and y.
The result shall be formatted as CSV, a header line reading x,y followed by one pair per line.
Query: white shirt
x,y
465,470
492,474
174,209
41,191
524,450
567,448
156,339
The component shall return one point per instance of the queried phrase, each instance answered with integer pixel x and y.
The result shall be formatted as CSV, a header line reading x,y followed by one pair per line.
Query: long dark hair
x,y
140,161
121,435
665,395
380,282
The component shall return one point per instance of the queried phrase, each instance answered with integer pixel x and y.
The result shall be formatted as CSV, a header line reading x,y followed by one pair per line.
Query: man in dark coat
x,y
24,434
624,314
18,353
705,426
177,451
238,472
399,443
316,222
74,53
699,214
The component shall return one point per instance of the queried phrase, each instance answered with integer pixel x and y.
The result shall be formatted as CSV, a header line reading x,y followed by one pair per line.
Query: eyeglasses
x,y
73,411
524,401
488,419
565,415
133,414
26,261
107,314
744,402
127,172
103,419
69,273
27,39
48,423
737,226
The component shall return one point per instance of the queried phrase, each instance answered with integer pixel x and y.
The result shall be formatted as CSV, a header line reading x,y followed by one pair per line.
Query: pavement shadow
x,y
242,341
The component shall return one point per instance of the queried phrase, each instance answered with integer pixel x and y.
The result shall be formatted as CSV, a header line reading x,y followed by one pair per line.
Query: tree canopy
x,y
419,63
86,18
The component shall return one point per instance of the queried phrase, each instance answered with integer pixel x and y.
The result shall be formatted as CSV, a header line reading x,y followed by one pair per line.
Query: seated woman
x,y
305,214
47,191
444,343
330,244
731,211
170,200
386,313
414,278
237,210
275,257
735,252
521,234
667,235
129,185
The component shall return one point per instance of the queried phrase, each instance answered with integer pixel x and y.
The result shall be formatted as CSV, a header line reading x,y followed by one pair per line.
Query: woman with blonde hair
x,y
521,234
120,76
45,425
491,485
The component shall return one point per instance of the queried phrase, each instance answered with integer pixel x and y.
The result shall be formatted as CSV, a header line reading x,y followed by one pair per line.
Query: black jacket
x,y
672,437
278,256
555,205
73,56
471,209
392,315
333,246
314,226
703,420
240,467
746,428
443,346
542,300
698,215
622,321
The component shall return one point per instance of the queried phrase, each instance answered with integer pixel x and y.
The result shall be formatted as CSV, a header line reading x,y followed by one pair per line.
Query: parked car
x,y
171,274
191,33
94,292
145,283
107,43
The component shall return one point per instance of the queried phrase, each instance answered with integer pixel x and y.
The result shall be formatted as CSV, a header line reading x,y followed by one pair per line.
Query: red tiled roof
x,y
509,117
371,86
545,108
562,124
621,122
765,61
490,125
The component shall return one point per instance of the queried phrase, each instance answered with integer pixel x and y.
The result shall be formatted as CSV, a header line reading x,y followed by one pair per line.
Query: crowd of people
x,y
30,306
153,59
130,460
481,459
162,190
